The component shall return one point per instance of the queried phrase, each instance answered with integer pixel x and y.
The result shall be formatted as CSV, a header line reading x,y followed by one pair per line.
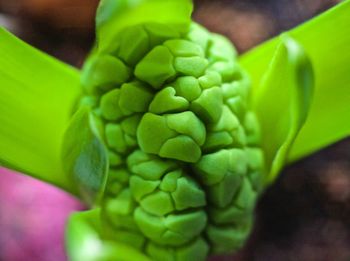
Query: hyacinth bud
x,y
185,163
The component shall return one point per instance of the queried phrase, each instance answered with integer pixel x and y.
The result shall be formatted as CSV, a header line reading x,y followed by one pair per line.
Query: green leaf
x,y
83,241
113,16
282,102
84,155
326,40
37,96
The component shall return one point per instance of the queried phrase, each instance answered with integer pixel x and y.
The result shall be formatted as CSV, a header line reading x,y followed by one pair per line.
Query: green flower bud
x,y
185,163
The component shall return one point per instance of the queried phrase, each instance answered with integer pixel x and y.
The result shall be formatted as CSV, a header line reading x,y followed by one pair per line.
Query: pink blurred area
x,y
32,218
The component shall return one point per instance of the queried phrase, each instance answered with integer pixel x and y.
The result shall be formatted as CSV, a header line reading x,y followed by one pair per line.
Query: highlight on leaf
x,y
84,241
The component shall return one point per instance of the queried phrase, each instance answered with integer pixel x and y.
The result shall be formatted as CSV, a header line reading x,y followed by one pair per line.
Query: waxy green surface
x,y
185,167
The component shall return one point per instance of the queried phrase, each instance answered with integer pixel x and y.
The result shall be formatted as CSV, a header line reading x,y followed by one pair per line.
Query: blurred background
x,y
303,217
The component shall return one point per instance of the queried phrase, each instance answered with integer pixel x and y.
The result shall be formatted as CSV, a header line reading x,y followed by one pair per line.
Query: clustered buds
x,y
185,163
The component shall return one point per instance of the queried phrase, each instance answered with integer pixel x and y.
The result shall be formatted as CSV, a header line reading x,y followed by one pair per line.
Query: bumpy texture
x,y
185,165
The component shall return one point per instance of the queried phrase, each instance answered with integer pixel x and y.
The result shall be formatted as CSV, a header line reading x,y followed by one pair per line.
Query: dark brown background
x,y
305,215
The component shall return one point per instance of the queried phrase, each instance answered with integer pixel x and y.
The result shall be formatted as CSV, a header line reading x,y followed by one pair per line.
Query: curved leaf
x,y
282,102
326,39
112,16
84,243
37,95
84,155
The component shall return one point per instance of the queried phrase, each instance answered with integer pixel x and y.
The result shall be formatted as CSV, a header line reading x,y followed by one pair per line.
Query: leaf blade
x,y
282,102
83,241
323,38
84,155
37,95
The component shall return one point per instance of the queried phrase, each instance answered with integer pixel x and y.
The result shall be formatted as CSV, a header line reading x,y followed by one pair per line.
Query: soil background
x,y
304,216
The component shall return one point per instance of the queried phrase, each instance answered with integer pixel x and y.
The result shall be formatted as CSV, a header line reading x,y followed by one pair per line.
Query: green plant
x,y
166,133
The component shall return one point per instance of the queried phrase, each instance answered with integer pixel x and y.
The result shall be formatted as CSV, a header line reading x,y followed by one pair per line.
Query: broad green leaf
x,y
282,102
83,241
326,40
37,95
113,16
84,155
